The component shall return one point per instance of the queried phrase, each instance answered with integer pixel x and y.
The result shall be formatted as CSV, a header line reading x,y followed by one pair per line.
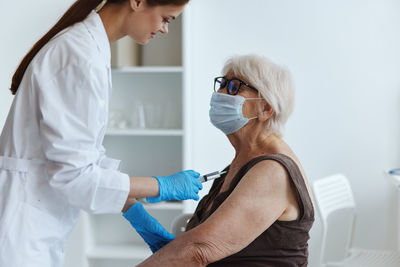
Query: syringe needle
x,y
210,176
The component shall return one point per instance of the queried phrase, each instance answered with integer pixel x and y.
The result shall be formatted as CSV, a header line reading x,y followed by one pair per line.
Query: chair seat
x,y
366,258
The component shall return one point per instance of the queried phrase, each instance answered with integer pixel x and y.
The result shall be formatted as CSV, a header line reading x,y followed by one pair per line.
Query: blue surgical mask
x,y
226,112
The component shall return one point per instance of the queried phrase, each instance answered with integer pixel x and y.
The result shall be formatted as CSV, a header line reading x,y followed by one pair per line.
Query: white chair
x,y
178,225
333,194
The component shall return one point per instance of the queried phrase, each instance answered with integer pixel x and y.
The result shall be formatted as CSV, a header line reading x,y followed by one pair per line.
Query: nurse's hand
x,y
180,186
152,232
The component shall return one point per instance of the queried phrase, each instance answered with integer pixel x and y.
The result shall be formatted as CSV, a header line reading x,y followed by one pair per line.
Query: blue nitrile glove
x,y
152,232
179,186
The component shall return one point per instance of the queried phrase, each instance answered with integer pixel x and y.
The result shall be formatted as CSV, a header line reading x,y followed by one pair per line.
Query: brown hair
x,y
76,13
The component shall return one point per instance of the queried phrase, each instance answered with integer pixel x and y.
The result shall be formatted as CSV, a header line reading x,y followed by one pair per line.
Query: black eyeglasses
x,y
233,85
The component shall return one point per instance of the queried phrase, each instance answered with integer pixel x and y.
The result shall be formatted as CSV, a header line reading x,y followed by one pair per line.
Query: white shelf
x,y
155,69
144,132
164,206
119,252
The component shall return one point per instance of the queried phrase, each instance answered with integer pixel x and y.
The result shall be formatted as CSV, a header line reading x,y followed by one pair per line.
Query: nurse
x,y
52,162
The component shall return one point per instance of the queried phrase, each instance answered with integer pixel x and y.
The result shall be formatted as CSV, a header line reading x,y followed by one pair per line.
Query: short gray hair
x,y
274,82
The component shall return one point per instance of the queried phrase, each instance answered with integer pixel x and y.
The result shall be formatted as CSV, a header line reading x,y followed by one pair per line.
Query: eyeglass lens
x,y
232,88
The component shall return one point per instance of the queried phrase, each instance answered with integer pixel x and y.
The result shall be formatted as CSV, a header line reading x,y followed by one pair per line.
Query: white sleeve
x,y
72,110
106,162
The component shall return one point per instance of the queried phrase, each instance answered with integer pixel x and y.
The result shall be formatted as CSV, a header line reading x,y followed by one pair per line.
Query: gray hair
x,y
274,82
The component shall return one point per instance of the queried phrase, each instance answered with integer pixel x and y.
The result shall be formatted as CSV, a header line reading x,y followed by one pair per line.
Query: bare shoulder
x,y
268,172
267,178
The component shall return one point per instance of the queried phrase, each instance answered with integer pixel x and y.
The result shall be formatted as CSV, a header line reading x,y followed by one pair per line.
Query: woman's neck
x,y
113,16
250,146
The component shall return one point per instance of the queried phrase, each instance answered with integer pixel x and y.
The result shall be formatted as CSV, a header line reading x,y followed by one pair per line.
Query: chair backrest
x,y
332,194
178,225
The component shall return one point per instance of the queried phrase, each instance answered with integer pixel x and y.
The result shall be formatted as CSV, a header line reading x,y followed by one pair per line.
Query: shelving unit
x,y
147,131
144,132
111,241
149,69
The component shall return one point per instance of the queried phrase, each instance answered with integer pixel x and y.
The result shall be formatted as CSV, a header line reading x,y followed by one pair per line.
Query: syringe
x,y
210,176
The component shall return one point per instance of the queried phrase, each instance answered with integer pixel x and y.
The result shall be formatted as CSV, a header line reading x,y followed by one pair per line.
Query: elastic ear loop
x,y
253,98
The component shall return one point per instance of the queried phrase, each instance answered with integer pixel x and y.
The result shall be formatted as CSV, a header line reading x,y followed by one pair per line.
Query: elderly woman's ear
x,y
266,111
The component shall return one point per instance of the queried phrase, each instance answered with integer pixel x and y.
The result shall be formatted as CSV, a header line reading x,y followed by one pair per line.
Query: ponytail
x,y
76,13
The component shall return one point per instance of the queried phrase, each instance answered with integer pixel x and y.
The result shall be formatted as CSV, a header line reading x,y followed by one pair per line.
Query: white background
x,y
344,56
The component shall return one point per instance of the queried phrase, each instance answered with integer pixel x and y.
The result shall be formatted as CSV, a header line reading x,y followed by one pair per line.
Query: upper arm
x,y
72,110
256,203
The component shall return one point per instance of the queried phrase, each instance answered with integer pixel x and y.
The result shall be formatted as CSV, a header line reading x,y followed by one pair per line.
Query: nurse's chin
x,y
142,42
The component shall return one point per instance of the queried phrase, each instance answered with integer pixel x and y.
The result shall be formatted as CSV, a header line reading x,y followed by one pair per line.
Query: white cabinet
x,y
147,131
111,241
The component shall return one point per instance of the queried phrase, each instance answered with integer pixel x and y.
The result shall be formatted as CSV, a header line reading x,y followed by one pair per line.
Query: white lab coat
x,y
52,162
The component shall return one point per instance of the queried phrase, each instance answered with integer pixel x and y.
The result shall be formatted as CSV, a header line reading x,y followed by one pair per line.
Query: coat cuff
x,y
109,163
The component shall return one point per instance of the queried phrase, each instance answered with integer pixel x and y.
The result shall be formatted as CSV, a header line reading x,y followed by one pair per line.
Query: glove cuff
x,y
133,212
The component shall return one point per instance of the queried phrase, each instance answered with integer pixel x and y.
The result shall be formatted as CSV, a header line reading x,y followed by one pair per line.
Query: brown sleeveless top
x,y
284,243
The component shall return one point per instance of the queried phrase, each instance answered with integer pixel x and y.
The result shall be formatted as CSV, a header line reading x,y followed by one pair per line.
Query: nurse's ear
x,y
265,111
136,4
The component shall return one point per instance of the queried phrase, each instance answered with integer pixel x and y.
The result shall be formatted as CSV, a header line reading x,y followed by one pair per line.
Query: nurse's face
x,y
145,21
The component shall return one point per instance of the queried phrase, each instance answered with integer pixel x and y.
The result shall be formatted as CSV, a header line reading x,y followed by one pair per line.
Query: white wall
x,y
22,24
345,59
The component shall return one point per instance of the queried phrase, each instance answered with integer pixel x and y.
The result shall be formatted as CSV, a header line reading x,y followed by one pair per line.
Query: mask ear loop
x,y
254,98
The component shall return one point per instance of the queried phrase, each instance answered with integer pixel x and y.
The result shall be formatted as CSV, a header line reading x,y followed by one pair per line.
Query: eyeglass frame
x,y
229,80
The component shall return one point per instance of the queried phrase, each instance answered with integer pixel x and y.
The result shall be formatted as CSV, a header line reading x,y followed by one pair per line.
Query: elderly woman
x,y
260,212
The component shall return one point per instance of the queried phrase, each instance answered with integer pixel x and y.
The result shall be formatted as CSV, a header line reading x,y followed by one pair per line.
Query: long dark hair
x,y
76,13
